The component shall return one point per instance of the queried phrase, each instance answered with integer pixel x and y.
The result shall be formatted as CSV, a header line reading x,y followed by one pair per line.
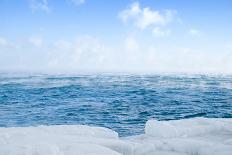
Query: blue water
x,y
121,102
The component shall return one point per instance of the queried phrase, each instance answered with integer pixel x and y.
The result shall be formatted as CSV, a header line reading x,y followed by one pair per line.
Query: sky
x,y
143,36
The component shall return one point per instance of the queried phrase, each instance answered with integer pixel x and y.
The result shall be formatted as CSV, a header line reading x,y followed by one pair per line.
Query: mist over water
x,y
120,102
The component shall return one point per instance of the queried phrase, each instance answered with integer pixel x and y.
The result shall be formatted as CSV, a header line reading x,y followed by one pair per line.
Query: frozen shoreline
x,y
197,136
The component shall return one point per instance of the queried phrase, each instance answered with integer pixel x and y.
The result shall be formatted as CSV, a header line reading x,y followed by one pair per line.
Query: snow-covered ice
x,y
196,136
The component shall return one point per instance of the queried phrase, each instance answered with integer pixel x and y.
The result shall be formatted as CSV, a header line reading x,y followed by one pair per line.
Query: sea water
x,y
122,103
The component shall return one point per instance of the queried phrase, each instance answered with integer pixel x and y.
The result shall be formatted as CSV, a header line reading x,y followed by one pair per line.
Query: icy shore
x,y
197,136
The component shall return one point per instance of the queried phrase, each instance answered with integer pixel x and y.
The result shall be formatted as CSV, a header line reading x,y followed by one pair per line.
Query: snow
x,y
197,136
188,127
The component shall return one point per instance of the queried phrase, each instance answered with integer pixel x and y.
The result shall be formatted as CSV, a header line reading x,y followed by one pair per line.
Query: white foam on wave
x,y
198,136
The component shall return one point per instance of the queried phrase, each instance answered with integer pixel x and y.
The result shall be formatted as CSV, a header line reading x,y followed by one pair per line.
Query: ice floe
x,y
196,136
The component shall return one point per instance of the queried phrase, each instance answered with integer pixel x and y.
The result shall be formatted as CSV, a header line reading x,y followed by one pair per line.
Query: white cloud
x,y
131,44
42,5
184,60
63,45
3,42
150,17
228,46
77,2
194,32
158,32
85,54
89,54
145,17
36,41
131,12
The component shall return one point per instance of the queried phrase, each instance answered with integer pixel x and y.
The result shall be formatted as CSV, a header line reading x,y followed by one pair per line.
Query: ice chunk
x,y
201,136
198,136
187,127
61,140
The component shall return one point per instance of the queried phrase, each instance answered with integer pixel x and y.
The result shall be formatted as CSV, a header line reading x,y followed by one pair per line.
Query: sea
x,y
121,102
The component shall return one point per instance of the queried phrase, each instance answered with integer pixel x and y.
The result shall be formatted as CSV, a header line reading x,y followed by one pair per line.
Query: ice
x,y
187,127
60,140
197,136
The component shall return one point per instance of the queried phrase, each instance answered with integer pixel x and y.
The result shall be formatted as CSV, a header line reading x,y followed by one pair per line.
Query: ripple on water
x,y
121,102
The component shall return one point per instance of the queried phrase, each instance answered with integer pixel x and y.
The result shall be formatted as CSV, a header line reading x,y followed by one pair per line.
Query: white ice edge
x,y
197,136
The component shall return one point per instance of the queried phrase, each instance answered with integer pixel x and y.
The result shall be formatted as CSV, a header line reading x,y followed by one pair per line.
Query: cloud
x,y
84,54
90,54
185,60
194,32
39,5
145,17
228,46
133,11
3,42
157,32
36,41
63,45
77,2
131,44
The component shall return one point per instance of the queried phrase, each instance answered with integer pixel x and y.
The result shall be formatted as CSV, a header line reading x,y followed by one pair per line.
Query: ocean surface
x,y
119,102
